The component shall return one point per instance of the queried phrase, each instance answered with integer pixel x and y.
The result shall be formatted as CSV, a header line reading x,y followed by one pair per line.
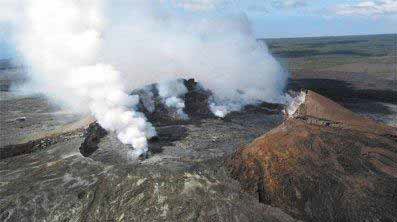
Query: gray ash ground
x,y
25,115
183,177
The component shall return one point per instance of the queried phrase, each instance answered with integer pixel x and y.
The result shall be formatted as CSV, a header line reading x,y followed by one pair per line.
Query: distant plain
x,y
360,72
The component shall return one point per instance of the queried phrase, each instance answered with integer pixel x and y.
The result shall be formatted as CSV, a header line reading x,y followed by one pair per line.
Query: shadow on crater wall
x,y
345,93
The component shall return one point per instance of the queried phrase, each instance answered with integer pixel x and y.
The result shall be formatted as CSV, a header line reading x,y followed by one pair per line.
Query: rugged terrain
x,y
324,164
182,178
57,166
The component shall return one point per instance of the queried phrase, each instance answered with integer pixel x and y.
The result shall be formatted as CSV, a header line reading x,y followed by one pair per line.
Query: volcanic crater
x,y
322,163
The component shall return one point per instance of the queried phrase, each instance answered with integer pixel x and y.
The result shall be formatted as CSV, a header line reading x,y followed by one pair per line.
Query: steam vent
x,y
325,164
198,111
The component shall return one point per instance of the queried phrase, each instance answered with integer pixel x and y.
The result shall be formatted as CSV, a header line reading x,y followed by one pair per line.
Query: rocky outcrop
x,y
44,139
183,180
333,114
196,100
325,164
93,135
152,105
166,135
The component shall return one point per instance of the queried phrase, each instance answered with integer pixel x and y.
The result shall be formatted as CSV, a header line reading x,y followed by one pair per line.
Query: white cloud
x,y
367,8
10,13
290,3
197,5
253,5
9,10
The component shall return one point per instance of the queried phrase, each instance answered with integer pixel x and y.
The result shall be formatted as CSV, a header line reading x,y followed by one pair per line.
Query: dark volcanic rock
x,y
93,135
17,149
183,179
153,107
165,136
196,100
327,164
187,181
170,133
196,104
44,139
264,107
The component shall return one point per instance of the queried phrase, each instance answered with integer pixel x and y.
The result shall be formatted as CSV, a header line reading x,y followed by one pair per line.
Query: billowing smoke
x,y
172,93
88,55
293,103
61,40
218,49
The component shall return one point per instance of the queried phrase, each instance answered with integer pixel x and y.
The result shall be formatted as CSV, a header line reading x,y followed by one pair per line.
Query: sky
x,y
308,18
268,18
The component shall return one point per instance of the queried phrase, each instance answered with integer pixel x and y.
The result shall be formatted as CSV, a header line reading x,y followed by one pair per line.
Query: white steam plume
x,y
172,93
219,50
293,103
61,40
90,64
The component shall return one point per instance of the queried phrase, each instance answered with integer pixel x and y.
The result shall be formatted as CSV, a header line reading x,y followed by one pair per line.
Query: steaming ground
x,y
183,177
91,54
184,168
